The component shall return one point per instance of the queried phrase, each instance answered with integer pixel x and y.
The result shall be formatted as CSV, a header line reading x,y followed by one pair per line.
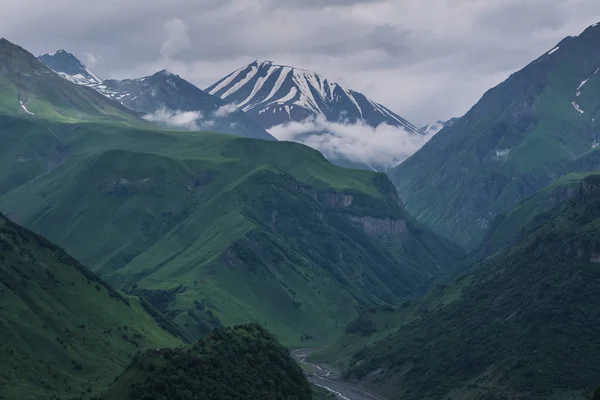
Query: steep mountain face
x,y
277,94
521,326
69,67
64,331
514,141
29,88
221,230
244,362
164,98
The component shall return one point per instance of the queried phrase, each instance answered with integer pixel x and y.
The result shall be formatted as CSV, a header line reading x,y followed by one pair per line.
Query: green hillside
x,y
63,331
523,325
506,229
218,230
377,324
243,362
28,88
516,140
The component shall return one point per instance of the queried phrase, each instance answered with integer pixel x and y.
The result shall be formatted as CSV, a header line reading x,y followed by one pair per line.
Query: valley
x,y
159,242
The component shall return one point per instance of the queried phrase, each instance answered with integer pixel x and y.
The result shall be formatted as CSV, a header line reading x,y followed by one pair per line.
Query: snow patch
x,y
285,71
576,106
226,81
241,83
25,108
288,97
502,153
582,83
306,100
257,86
553,50
434,128
351,97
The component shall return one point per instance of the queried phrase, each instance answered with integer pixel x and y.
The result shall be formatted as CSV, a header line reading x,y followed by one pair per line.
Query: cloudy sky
x,y
425,59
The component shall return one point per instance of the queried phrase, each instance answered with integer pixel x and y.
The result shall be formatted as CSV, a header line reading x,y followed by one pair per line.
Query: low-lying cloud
x,y
192,120
384,146
225,110
176,119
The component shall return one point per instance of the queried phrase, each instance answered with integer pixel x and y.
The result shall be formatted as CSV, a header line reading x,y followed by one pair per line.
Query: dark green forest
x,y
243,362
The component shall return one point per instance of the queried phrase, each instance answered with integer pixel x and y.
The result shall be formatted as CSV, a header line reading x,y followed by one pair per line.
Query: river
x,y
328,379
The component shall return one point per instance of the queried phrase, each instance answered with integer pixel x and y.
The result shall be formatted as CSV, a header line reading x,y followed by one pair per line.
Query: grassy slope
x,y
64,331
513,142
197,217
524,326
235,363
506,229
24,79
377,324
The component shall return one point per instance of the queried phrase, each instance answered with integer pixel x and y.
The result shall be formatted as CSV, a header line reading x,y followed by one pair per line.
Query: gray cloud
x,y
177,38
426,60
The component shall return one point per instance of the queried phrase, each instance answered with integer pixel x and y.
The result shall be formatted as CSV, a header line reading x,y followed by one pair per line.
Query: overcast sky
x,y
425,59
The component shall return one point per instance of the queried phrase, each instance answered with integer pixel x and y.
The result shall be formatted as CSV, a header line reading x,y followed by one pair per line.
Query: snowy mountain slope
x,y
165,98
170,95
276,94
68,66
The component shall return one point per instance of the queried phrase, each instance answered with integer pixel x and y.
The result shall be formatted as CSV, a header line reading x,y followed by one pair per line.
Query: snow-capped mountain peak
x,y
69,67
276,94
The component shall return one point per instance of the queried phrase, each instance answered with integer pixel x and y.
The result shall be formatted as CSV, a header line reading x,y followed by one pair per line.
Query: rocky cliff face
x,y
338,200
590,186
376,227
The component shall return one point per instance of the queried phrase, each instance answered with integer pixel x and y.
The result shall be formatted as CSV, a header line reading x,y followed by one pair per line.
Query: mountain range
x,y
259,96
164,98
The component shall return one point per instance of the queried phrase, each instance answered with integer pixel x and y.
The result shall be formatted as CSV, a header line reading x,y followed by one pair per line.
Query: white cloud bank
x,y
191,120
385,145
225,110
177,119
